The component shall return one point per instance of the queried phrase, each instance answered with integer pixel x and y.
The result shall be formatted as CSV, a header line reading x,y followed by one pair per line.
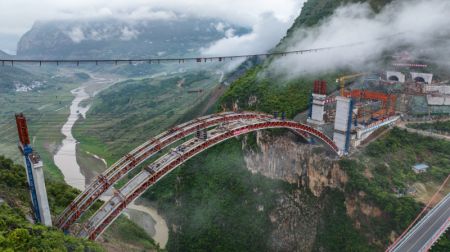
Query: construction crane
x,y
341,80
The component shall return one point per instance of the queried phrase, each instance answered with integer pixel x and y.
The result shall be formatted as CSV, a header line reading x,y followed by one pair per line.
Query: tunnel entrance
x,y
393,78
419,79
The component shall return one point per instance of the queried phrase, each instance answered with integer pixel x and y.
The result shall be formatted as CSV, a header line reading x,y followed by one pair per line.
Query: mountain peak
x,y
117,38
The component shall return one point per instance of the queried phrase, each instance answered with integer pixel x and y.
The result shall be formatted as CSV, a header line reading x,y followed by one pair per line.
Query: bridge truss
x,y
226,125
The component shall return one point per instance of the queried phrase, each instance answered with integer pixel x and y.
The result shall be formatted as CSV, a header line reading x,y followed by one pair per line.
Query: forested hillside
x,y
137,109
16,231
315,11
378,211
272,92
11,76
214,203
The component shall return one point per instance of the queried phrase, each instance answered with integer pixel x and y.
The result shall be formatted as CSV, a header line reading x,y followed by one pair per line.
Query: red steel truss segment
x,y
22,129
139,155
111,209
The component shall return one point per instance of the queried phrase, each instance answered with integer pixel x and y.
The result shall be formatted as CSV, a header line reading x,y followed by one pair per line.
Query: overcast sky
x,y
17,16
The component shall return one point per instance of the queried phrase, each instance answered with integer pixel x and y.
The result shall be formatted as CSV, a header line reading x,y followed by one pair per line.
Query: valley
x,y
352,142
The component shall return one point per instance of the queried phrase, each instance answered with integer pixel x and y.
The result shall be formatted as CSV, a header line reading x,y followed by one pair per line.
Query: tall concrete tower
x,y
317,109
35,174
343,123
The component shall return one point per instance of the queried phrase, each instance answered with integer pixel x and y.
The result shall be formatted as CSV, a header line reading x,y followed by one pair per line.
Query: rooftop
x,y
420,166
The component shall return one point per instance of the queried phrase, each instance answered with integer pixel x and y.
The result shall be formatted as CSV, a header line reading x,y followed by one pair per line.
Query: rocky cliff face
x,y
310,169
286,157
296,219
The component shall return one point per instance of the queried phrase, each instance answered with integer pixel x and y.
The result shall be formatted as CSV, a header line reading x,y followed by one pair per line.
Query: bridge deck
x,y
428,230
161,167
136,157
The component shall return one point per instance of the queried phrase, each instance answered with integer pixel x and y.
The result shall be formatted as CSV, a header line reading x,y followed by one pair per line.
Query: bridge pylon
x,y
35,174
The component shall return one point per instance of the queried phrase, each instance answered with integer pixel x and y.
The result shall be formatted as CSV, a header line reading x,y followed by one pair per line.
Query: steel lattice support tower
x,y
35,174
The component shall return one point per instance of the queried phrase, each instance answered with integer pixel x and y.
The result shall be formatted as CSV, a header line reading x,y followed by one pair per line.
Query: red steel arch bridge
x,y
210,130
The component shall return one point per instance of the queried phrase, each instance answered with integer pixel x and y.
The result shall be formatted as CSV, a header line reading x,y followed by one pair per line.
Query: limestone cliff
x,y
285,157
310,169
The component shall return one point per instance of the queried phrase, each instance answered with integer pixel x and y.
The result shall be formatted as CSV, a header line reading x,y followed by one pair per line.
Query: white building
x,y
420,168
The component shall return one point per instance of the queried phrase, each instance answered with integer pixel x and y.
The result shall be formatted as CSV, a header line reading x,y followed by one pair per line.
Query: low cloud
x,y
236,12
147,13
417,24
129,33
106,31
76,35
265,34
220,27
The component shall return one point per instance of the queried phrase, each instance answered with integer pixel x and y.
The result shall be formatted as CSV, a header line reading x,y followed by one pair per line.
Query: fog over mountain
x,y
116,38
250,14
422,26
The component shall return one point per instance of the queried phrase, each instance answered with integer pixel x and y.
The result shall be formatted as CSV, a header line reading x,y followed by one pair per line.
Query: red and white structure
x,y
165,164
410,65
363,132
35,174
123,166
143,152
319,99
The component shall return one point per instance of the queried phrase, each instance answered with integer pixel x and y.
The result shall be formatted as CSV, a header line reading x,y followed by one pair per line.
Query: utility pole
x,y
35,174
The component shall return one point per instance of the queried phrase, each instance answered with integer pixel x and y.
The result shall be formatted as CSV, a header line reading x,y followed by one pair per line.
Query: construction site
x,y
369,101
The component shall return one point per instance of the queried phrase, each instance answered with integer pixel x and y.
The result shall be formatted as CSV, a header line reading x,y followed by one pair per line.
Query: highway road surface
x,y
423,235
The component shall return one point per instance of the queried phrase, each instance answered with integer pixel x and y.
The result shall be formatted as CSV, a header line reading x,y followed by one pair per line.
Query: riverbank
x,y
65,157
80,167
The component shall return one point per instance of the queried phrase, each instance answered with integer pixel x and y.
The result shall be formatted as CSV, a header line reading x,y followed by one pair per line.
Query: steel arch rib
x,y
139,155
147,177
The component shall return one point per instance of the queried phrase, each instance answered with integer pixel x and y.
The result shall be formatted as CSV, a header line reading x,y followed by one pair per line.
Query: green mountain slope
x,y
132,111
337,229
316,10
214,203
276,93
16,232
9,76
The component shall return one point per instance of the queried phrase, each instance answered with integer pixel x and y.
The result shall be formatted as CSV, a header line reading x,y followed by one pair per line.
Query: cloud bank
x,y
243,13
266,33
417,24
19,15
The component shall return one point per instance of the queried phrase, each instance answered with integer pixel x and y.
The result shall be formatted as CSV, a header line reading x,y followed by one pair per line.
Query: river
x,y
66,160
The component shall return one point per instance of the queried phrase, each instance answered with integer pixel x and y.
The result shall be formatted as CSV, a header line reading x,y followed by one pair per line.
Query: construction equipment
x,y
388,101
341,80
35,174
